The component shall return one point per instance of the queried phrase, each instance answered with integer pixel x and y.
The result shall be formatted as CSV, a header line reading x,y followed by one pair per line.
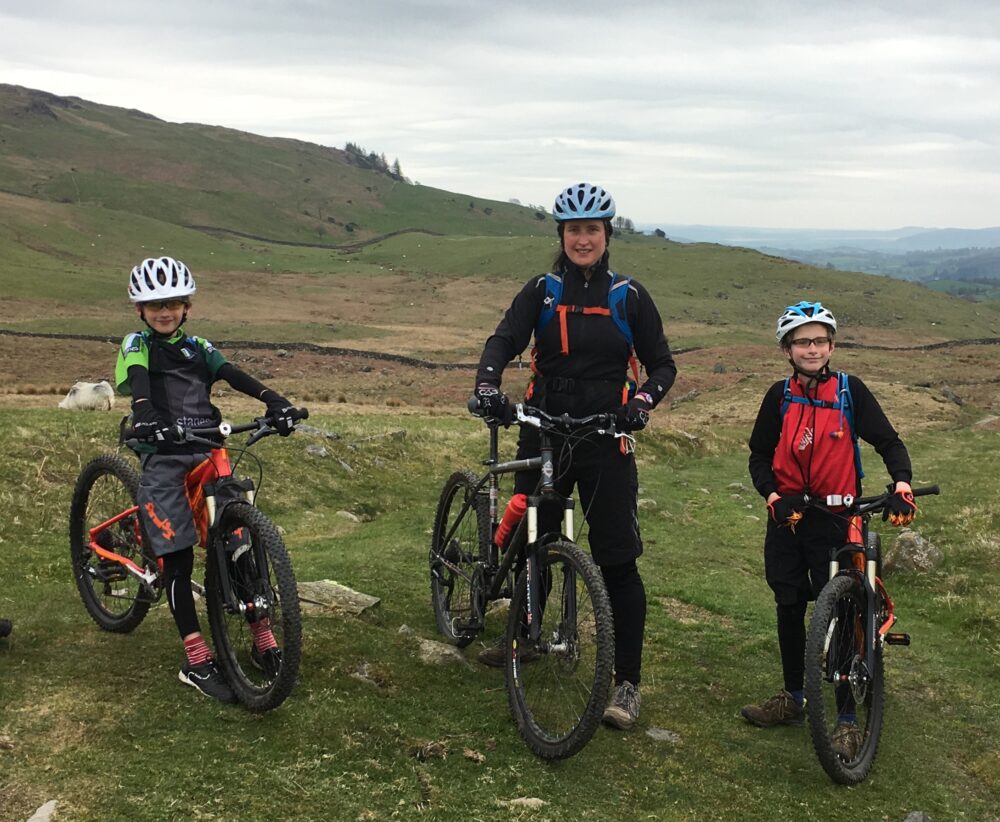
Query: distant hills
x,y
894,241
87,189
964,262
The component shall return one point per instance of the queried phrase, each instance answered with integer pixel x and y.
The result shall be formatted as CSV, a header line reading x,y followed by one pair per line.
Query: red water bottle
x,y
511,517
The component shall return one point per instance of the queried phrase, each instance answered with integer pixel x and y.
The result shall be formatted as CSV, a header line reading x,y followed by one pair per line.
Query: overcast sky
x,y
829,114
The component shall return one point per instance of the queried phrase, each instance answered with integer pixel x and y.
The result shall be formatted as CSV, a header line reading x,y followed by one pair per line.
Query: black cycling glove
x,y
900,508
150,425
634,415
786,510
494,403
282,414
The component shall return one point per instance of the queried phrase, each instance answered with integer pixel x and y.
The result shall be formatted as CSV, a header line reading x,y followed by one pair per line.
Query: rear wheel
x,y
258,592
840,688
557,688
458,551
115,598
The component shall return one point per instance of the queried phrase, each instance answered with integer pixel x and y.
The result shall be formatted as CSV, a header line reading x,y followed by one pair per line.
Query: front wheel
x,y
459,547
841,689
104,502
557,686
253,607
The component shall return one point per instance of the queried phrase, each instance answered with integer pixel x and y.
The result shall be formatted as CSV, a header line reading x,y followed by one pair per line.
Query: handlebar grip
x,y
473,406
303,414
923,492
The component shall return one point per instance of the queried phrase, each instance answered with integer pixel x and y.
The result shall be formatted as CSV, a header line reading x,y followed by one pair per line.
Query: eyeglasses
x,y
170,305
805,342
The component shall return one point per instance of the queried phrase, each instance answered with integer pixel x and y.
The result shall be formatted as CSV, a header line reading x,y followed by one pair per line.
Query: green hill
x,y
68,150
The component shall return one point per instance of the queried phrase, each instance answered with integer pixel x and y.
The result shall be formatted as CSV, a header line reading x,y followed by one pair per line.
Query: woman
x,y
587,322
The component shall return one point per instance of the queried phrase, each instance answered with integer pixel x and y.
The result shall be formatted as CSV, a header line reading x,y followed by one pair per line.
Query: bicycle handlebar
x,y
261,426
864,505
524,414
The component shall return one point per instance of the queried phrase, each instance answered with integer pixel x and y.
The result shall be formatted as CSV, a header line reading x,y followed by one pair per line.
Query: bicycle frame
x,y
200,486
861,558
525,541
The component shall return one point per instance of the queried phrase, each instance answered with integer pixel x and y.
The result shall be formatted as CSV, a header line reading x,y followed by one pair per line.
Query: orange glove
x,y
786,510
900,508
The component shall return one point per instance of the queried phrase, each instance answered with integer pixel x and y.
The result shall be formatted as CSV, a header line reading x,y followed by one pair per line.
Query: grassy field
x,y
100,723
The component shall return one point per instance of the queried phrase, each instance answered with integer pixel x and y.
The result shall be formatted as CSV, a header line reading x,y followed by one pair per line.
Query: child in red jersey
x,y
802,443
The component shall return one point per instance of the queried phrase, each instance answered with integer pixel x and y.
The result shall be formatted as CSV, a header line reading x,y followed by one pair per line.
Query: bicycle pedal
x,y
897,639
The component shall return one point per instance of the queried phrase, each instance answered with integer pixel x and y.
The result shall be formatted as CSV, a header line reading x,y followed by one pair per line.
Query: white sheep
x,y
89,396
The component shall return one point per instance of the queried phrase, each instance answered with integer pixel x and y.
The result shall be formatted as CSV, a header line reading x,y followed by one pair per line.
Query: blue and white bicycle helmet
x,y
160,278
583,201
801,314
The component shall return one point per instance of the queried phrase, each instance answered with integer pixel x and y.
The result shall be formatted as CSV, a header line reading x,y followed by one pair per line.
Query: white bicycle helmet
x,y
801,314
160,278
583,202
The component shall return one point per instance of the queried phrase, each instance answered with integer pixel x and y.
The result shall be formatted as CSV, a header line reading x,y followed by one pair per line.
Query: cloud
x,y
864,115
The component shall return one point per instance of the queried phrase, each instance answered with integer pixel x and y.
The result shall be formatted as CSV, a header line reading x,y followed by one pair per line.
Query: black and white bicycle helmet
x,y
583,202
801,314
160,278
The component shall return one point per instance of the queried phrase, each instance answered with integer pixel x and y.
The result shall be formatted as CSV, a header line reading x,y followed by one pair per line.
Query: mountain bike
x,y
560,636
851,623
248,575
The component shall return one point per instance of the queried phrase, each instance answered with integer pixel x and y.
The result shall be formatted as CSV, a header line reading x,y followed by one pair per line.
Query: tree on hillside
x,y
357,155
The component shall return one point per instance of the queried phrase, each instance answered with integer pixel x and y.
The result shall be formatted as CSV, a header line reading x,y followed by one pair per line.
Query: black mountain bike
x,y
851,623
248,575
560,634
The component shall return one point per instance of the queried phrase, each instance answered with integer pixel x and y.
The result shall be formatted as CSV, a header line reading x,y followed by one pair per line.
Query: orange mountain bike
x,y
248,575
850,626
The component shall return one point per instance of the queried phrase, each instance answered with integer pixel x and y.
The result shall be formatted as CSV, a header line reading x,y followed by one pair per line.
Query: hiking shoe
x,y
5,628
781,709
208,679
846,741
267,662
495,655
623,709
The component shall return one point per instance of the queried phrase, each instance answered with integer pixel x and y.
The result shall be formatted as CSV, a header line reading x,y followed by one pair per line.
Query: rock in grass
x,y
327,595
44,813
437,653
663,735
910,552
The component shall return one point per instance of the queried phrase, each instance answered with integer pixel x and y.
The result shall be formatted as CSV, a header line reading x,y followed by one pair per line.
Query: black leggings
x,y
792,643
628,607
177,567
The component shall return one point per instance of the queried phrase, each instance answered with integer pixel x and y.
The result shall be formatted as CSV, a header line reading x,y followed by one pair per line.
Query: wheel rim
x,y
847,682
258,601
453,568
556,687
110,586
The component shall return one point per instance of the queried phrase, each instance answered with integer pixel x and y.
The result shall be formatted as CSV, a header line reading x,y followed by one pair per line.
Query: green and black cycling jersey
x,y
176,374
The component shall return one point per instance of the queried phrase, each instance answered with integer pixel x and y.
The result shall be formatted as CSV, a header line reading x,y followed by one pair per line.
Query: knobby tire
x,y
558,690
456,592
115,599
836,643
265,570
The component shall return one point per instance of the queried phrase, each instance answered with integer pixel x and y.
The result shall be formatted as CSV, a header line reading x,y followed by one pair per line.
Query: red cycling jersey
x,y
815,453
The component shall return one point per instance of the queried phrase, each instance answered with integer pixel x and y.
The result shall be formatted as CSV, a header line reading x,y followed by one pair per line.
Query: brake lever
x,y
264,431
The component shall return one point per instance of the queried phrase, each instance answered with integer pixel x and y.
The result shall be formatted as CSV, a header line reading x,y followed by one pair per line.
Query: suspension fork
x,y
533,573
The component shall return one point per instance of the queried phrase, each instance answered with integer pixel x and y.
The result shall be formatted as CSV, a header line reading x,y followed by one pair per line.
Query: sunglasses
x,y
170,305
805,342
